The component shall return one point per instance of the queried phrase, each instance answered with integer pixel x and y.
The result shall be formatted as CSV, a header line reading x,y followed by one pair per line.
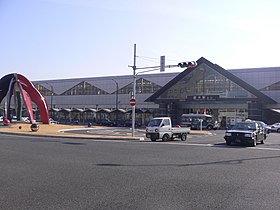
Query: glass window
x,y
166,122
209,119
142,86
43,90
84,88
205,81
154,123
275,86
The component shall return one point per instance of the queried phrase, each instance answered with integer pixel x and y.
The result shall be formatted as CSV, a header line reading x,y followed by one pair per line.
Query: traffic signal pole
x,y
134,91
191,64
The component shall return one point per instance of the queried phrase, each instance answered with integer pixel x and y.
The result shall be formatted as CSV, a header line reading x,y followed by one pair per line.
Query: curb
x,y
76,137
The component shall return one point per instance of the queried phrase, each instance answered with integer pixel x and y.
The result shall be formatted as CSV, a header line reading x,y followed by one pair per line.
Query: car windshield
x,y
154,123
244,126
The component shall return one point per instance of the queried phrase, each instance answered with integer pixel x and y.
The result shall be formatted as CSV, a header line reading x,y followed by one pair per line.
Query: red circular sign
x,y
132,102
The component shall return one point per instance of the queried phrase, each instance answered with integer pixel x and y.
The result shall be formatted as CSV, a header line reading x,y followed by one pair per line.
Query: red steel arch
x,y
36,97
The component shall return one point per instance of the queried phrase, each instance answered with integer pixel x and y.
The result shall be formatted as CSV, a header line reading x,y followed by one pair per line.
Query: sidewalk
x,y
56,130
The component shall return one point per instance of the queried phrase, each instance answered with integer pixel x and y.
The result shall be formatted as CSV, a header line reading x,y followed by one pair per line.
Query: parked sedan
x,y
249,132
275,127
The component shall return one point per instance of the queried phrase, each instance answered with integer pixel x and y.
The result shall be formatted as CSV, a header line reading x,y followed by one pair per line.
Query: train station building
x,y
230,95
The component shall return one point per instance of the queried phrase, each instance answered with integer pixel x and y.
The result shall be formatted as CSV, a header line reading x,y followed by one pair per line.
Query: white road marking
x,y
188,144
267,148
74,129
215,145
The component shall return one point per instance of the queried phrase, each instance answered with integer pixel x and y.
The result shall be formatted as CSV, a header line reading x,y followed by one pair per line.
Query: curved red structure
x,y
28,104
36,97
28,91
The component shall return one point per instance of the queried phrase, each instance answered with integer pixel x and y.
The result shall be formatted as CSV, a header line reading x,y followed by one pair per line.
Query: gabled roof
x,y
90,110
104,83
218,69
118,111
104,111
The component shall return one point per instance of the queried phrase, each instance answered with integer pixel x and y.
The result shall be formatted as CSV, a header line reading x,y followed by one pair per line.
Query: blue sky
x,y
56,39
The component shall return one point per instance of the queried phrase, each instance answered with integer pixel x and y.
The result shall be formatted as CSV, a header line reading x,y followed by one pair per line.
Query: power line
x,y
152,60
157,59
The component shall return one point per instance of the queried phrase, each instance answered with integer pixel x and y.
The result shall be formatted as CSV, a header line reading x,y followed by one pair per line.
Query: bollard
x,y
34,127
6,122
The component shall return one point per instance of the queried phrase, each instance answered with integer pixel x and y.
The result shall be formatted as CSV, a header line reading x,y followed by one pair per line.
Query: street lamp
x,y
117,98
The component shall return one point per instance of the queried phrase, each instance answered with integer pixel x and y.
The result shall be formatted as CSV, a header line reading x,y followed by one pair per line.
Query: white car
x,y
275,127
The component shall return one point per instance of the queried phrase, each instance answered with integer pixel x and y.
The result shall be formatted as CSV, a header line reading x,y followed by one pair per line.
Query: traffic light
x,y
188,64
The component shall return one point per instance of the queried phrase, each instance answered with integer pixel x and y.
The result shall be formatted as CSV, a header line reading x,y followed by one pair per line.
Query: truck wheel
x,y
165,137
228,142
184,137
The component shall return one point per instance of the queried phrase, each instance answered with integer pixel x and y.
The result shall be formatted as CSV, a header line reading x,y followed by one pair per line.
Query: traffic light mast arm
x,y
155,68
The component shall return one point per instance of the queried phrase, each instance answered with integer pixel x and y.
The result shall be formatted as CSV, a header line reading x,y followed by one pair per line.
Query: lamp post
x,y
51,98
117,98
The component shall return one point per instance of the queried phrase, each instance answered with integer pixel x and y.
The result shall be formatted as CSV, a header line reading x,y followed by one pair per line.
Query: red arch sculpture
x,y
36,97
28,91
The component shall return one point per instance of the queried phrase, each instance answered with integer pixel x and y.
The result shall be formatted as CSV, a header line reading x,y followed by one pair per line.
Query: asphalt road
x,y
110,131
201,173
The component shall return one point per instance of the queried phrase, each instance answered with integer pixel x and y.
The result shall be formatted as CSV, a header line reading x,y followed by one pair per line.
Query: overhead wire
x,y
154,60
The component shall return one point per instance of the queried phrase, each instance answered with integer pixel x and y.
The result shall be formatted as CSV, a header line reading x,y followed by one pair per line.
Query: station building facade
x,y
210,89
87,99
229,95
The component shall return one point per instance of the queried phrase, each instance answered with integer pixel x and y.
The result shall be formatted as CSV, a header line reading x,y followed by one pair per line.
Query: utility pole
x,y
188,64
134,90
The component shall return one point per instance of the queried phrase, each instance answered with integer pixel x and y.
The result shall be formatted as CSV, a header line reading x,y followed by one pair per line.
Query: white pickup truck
x,y
161,128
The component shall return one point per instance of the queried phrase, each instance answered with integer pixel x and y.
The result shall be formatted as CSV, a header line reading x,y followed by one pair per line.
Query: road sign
x,y
132,102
